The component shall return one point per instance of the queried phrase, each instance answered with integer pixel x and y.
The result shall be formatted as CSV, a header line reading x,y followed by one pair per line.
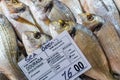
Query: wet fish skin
x,y
91,48
3,77
91,21
107,10
21,20
34,40
57,27
8,51
110,42
44,11
60,11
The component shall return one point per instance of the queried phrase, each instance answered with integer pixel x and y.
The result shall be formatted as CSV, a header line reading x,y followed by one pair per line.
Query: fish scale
x,y
8,51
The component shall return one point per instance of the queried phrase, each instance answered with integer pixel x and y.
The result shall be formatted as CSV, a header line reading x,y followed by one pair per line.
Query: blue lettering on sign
x,y
46,46
30,57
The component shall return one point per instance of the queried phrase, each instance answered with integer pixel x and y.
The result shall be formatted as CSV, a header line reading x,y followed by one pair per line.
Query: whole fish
x,y
19,15
8,51
91,48
34,40
110,42
52,9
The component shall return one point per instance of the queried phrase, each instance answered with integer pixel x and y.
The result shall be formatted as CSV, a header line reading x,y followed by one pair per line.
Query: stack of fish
x,y
94,25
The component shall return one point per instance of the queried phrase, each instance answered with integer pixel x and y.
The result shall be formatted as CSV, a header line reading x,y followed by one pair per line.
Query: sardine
x,y
19,15
34,40
110,42
8,51
91,48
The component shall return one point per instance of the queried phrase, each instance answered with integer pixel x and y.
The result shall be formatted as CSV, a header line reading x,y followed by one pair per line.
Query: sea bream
x,y
19,15
110,42
90,20
45,11
34,40
91,48
9,51
107,10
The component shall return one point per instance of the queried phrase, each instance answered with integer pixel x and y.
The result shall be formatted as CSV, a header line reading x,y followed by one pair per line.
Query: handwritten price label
x,y
58,59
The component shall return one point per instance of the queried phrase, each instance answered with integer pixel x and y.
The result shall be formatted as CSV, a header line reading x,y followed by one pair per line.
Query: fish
x,y
56,27
8,51
107,10
117,4
3,77
46,11
91,21
75,7
20,17
110,42
60,11
31,43
34,40
89,45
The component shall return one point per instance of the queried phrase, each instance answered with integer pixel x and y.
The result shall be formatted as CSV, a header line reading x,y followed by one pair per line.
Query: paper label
x,y
58,59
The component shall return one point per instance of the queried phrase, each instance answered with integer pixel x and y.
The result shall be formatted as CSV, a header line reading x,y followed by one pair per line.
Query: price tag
x,y
58,59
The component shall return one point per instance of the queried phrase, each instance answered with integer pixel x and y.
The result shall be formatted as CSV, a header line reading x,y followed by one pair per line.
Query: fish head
x,y
61,25
15,7
34,39
44,5
91,20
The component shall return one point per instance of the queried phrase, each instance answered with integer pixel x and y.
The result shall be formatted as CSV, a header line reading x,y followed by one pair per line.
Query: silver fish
x,y
107,10
91,48
91,21
110,42
19,15
46,11
56,27
82,16
8,51
34,40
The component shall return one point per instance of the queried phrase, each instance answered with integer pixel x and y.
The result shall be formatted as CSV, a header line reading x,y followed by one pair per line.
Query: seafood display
x,y
113,41
8,51
19,15
94,25
34,40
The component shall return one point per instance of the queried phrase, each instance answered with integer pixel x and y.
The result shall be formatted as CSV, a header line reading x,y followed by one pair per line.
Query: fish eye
x,y
37,35
90,17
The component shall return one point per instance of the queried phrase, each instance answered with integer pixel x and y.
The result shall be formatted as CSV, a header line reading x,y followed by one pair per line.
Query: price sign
x,y
58,59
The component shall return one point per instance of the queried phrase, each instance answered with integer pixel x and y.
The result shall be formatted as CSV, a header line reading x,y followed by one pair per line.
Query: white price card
x,y
58,59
